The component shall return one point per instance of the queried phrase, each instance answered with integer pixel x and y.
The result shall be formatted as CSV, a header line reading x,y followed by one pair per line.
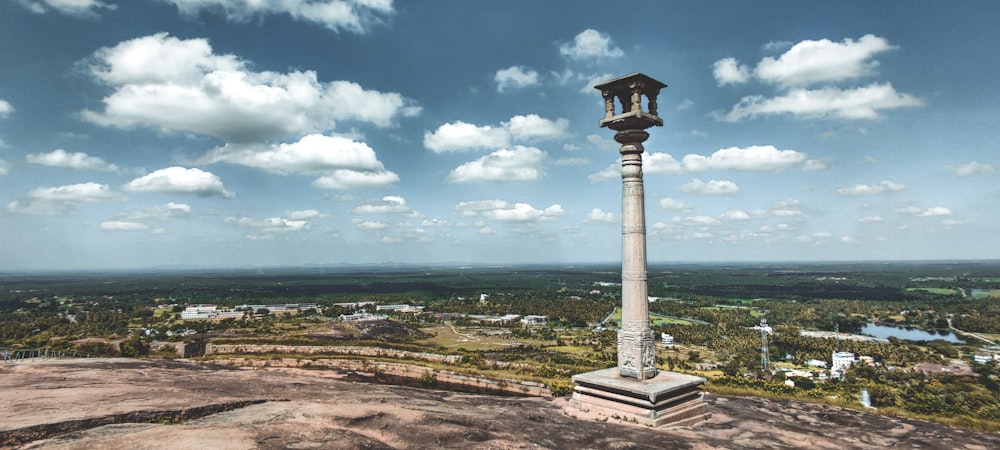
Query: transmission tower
x,y
765,353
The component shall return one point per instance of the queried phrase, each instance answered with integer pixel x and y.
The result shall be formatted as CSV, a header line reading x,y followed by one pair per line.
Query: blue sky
x,y
150,133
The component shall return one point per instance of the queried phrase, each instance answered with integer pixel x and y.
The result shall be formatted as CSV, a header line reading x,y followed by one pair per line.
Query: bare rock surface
x,y
124,403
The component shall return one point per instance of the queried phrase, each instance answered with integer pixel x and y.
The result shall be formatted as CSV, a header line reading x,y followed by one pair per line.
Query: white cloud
x,y
657,163
461,136
675,205
519,164
371,225
120,225
865,189
713,187
476,207
77,160
815,165
524,212
533,127
486,230
4,166
597,215
338,15
62,199
305,214
817,62
972,168
729,71
863,103
165,211
177,85
351,179
5,108
590,44
823,61
81,8
685,104
934,211
515,77
870,219
508,212
785,208
313,153
270,225
178,180
389,204
754,158
734,215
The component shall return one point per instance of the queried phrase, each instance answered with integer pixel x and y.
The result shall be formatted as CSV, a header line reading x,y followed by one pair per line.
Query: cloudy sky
x,y
150,133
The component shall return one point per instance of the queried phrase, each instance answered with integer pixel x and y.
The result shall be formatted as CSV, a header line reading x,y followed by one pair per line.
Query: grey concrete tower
x,y
636,344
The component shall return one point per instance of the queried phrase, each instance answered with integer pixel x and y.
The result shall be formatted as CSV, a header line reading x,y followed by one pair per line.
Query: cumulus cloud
x,y
735,215
270,225
713,187
390,204
812,62
870,219
533,127
462,136
757,158
371,225
822,61
590,44
859,190
785,208
863,103
62,199
5,108
304,214
357,16
597,215
178,85
120,225
459,136
934,211
4,166
80,8
972,168
504,211
754,158
518,164
179,180
165,211
730,71
77,160
313,153
515,77
345,179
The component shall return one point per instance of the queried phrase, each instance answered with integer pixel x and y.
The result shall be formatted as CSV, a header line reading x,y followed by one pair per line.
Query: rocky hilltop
x,y
152,404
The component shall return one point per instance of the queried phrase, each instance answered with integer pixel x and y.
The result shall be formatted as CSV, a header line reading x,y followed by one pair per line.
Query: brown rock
x,y
124,403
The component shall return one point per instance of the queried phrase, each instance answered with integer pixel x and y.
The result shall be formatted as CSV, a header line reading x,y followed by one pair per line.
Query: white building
x,y
533,320
841,362
668,340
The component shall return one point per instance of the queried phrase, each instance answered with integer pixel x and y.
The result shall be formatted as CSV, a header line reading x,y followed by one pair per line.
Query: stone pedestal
x,y
668,399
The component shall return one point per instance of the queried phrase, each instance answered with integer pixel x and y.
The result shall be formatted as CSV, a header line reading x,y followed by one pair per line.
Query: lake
x,y
885,332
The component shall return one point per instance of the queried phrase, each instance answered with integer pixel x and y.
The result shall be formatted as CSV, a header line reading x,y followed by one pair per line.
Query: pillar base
x,y
668,399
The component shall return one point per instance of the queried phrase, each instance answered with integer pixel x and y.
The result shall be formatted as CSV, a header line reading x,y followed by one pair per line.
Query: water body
x,y
886,331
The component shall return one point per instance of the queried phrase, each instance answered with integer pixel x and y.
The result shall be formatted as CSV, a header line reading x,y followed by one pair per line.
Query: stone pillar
x,y
636,344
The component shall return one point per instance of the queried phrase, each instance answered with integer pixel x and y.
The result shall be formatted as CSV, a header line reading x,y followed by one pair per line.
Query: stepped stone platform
x,y
668,399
